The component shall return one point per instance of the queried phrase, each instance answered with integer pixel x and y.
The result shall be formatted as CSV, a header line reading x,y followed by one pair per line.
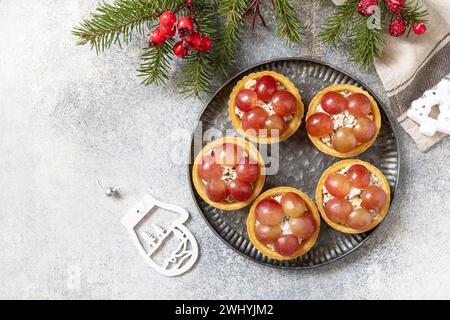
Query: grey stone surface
x,y
69,117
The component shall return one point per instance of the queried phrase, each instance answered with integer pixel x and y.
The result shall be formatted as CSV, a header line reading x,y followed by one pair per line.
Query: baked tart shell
x,y
384,184
257,186
291,126
305,246
362,147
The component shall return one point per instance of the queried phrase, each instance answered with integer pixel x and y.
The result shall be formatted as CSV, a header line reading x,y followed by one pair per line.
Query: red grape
x,y
359,219
293,205
283,103
286,245
216,190
265,87
358,176
246,99
359,105
255,119
319,124
333,102
208,169
337,185
239,190
228,154
344,140
364,130
373,197
267,234
247,170
337,210
275,125
303,227
269,212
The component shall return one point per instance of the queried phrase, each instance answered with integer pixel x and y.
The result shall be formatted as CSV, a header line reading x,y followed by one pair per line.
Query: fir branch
x,y
113,22
288,22
197,72
155,65
367,43
414,13
337,26
229,41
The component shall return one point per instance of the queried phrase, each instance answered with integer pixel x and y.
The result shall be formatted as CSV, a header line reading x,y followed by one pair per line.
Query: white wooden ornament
x,y
183,257
420,109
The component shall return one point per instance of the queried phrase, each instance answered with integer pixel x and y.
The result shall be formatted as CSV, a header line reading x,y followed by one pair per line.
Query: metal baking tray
x,y
301,163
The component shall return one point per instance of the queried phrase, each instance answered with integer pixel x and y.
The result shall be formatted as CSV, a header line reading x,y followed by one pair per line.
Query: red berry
x,y
419,28
398,27
180,50
396,6
166,32
206,43
367,7
195,39
167,19
156,37
185,26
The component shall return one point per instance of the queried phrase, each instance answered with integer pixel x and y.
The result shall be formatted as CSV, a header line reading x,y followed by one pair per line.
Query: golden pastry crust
x,y
337,167
251,151
305,246
362,147
291,126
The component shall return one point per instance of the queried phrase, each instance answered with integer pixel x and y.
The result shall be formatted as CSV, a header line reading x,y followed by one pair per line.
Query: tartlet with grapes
x,y
343,120
283,223
266,107
353,196
228,173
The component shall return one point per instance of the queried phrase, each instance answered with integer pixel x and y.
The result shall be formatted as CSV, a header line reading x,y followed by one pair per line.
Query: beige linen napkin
x,y
410,66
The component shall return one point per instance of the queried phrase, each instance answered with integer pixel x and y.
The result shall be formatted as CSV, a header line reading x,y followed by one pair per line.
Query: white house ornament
x,y
151,240
421,110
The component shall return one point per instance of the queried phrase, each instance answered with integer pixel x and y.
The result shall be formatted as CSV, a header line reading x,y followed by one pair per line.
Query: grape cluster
x,y
340,210
228,157
256,120
344,139
190,39
290,210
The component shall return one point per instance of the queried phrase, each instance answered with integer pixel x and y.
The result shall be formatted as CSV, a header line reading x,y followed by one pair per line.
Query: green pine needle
x,y
197,71
336,28
230,35
348,25
288,22
414,13
113,23
367,43
155,65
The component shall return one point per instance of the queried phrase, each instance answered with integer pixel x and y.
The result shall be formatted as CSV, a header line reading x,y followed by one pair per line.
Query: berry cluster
x,y
398,25
190,39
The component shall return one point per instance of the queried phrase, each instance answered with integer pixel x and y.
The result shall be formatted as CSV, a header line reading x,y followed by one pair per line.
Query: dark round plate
x,y
301,163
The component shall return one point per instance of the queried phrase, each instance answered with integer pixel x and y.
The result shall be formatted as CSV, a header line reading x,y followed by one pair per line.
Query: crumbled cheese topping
x,y
341,120
250,84
266,106
228,174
